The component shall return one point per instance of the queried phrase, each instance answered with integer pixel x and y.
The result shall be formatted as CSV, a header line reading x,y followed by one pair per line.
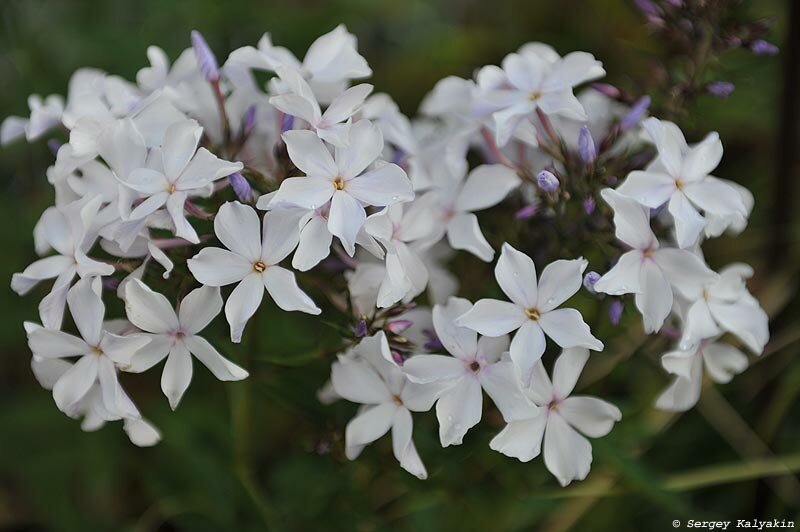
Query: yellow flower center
x,y
338,183
532,313
259,266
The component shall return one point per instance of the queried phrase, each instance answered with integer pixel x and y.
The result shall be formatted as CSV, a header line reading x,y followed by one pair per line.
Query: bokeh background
x,y
278,463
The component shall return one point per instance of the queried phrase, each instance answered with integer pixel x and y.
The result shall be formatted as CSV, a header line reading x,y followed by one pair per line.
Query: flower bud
x,y
720,89
607,90
287,123
635,114
527,211
360,329
762,47
615,311
589,280
547,181
586,146
206,60
398,326
589,205
241,187
249,121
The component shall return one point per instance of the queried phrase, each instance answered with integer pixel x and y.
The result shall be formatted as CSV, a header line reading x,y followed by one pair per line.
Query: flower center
x,y
97,351
679,184
260,266
338,183
474,366
397,400
171,188
532,313
534,96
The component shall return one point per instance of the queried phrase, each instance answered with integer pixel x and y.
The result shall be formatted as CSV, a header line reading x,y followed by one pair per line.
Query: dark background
x,y
279,462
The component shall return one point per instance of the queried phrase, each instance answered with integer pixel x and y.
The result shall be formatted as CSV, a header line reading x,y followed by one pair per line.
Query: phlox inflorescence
x,y
312,173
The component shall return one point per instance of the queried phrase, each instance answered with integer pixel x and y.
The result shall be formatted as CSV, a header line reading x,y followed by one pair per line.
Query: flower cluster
x,y
196,173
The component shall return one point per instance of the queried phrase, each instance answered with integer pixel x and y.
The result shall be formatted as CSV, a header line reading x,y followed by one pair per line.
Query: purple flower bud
x,y
547,181
586,146
206,61
720,89
527,211
398,326
110,284
606,90
287,123
635,114
361,329
762,47
648,8
398,358
433,343
589,280
249,121
241,187
589,205
615,311
611,180
54,146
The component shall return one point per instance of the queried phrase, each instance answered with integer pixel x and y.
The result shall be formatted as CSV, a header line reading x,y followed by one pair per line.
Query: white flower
x,y
567,453
648,270
170,175
721,361
680,176
484,187
339,178
476,364
534,77
99,353
333,125
724,304
331,60
45,115
533,311
174,336
397,227
91,407
70,232
252,262
365,376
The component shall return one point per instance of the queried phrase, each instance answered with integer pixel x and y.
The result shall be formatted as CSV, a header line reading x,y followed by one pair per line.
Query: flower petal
x,y
370,424
559,281
386,185
403,446
309,154
243,303
565,326
567,370
567,454
366,144
346,218
459,341
75,383
222,368
526,350
492,317
516,275
485,187
238,228
177,374
521,439
358,382
198,308
654,300
424,369
282,287
591,416
219,267
149,310
463,232
458,410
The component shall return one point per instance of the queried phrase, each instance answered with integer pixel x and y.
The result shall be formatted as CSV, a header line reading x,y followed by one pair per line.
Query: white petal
x,y
50,343
281,232
702,158
526,349
565,326
567,370
205,168
654,300
310,155
75,383
458,410
485,187
562,102
573,69
148,310
492,317
115,400
461,342
180,143
141,433
315,244
219,267
370,424
559,281
356,381
183,229
243,303
198,308
294,105
501,384
521,439
150,355
346,104
723,361
424,369
46,268
87,311
403,446
177,374
366,144
345,219
383,186
631,220
567,454
624,277
222,368
746,320
688,222
684,270
651,189
592,416
516,275
282,287
463,232
669,142
699,324
238,228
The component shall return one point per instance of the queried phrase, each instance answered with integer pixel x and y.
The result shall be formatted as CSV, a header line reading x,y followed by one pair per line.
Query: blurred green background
x,y
280,463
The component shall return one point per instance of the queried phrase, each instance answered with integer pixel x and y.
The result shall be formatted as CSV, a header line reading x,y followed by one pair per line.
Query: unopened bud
x,y
241,187
586,146
615,311
547,181
635,114
360,329
720,89
589,281
206,60
762,47
398,326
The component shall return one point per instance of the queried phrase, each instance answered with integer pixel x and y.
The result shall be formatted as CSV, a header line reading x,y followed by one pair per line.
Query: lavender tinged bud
x,y
361,329
398,326
398,358
433,343
607,90
547,181
635,114
110,284
615,312
249,122
586,146
762,47
206,61
589,280
648,8
241,187
527,211
54,146
287,123
589,205
720,89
